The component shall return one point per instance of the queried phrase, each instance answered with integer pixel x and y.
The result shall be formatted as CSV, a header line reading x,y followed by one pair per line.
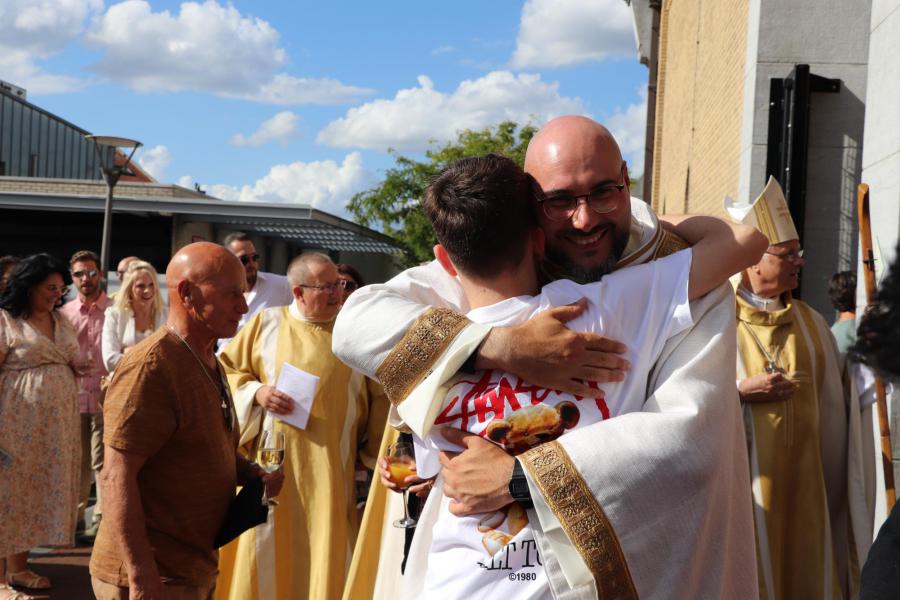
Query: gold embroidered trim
x,y
670,244
412,358
582,518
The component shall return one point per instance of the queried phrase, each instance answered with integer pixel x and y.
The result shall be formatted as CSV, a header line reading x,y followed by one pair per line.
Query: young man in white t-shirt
x,y
481,211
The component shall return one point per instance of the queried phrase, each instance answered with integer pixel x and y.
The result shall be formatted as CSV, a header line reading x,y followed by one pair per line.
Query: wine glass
x,y
401,464
270,456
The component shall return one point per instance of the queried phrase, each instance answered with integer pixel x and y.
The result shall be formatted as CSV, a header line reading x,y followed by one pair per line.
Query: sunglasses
x,y
89,273
246,258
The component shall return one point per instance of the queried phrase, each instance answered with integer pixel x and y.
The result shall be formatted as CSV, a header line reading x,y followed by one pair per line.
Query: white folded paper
x,y
301,386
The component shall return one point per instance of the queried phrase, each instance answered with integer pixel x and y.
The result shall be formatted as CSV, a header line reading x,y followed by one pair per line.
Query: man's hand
x,y
767,387
274,401
548,354
145,584
273,482
415,485
477,479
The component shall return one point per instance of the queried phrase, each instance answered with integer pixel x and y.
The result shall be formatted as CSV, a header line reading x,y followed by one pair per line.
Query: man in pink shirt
x,y
86,315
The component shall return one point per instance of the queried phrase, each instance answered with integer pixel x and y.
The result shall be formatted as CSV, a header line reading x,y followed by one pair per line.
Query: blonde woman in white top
x,y
137,312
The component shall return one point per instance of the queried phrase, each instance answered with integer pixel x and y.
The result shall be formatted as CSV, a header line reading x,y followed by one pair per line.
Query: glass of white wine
x,y
270,456
401,464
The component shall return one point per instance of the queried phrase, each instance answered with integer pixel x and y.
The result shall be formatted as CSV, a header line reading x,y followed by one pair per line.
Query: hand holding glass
x,y
270,456
401,464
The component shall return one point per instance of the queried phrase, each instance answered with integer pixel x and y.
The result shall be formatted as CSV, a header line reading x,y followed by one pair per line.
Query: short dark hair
x,y
842,291
482,212
237,236
878,336
30,271
83,255
351,272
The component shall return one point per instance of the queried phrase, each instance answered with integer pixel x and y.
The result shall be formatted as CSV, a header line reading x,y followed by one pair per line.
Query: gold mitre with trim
x,y
769,213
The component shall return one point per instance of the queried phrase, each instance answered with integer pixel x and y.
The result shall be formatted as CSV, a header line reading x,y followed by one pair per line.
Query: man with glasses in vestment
x,y
304,548
813,517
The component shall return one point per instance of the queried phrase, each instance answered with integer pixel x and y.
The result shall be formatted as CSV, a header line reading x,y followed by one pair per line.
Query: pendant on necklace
x,y
771,367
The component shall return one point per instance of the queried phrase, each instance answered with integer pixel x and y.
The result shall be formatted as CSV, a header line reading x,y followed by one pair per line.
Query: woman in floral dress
x,y
39,426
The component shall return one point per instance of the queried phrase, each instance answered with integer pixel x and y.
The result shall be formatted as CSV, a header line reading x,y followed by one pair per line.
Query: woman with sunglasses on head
x,y
137,312
39,421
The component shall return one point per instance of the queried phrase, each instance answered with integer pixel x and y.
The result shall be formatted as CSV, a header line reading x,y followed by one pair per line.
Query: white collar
x,y
294,311
505,312
756,301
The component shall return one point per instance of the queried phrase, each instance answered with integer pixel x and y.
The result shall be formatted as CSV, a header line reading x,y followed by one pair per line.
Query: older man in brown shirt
x,y
171,461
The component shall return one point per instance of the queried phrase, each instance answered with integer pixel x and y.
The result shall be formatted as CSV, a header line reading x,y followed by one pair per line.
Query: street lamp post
x,y
111,174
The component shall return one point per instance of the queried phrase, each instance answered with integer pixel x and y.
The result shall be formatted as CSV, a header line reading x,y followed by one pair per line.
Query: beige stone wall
x,y
84,187
699,104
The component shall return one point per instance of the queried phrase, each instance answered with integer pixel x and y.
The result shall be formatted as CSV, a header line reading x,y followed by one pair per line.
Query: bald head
x,y
206,283
570,139
123,266
198,262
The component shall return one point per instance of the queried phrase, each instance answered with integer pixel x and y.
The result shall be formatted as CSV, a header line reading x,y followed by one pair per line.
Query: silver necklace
x,y
222,389
771,361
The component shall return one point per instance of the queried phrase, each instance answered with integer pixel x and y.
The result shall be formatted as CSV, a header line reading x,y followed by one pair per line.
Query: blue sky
x,y
291,101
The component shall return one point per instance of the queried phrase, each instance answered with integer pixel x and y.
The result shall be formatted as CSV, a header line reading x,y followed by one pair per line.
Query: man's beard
x,y
557,265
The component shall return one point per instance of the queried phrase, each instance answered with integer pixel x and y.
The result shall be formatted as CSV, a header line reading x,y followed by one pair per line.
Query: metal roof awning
x,y
300,224
314,234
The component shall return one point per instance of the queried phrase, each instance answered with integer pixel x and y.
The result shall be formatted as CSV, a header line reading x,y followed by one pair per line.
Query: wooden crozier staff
x,y
868,261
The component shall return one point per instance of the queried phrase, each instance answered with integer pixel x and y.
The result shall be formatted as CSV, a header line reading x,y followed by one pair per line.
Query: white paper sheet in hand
x,y
301,386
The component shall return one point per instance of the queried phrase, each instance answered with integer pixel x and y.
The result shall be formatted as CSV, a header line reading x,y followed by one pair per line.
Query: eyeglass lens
x,y
246,258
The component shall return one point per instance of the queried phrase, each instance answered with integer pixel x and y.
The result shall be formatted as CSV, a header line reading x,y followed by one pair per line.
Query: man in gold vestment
x,y
304,549
813,522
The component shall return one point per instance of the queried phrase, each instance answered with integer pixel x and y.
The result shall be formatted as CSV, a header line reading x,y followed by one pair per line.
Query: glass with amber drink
x,y
401,461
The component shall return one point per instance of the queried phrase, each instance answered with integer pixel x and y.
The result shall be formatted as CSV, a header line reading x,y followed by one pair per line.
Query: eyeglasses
x,y
328,288
91,273
602,200
791,256
246,258
347,284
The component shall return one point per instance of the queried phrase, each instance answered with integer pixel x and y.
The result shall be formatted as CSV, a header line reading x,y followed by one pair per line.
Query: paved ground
x,y
67,569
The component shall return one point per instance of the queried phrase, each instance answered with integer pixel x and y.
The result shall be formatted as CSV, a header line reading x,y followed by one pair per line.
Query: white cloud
x,y
289,90
559,33
34,29
186,181
443,50
418,115
205,47
43,27
323,184
19,68
629,127
156,161
280,128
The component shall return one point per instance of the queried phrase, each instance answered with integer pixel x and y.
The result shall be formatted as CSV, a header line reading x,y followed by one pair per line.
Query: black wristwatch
x,y
518,486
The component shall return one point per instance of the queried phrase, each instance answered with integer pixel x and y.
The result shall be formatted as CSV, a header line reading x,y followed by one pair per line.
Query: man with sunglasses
x,y
263,289
86,313
669,478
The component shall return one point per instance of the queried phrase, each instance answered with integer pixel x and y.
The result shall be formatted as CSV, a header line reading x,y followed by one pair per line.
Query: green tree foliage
x,y
395,205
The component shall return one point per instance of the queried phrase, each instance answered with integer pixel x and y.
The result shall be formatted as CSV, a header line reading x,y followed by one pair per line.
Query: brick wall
x,y
83,187
699,104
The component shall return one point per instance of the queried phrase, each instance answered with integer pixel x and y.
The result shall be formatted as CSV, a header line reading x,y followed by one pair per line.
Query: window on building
x,y
2,168
32,165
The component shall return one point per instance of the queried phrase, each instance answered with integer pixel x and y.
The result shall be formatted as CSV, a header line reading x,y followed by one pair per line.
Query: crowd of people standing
x,y
580,383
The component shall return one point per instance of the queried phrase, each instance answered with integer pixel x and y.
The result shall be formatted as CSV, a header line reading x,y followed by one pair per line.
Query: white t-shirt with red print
x,y
495,555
